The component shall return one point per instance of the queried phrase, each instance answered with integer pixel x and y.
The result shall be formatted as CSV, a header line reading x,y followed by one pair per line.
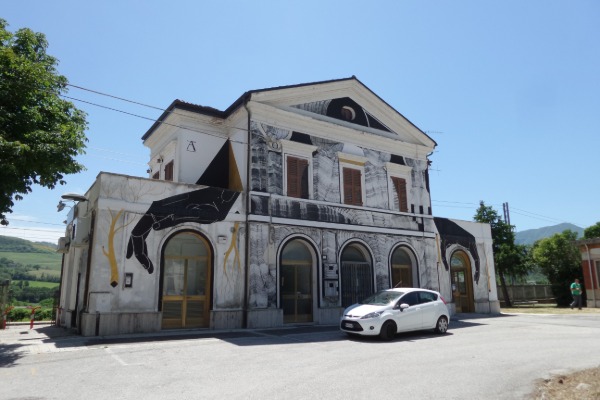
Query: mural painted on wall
x,y
345,109
233,247
266,240
110,253
451,234
203,206
267,169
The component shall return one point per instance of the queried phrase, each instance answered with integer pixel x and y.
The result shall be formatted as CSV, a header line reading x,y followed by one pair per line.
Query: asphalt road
x,y
480,357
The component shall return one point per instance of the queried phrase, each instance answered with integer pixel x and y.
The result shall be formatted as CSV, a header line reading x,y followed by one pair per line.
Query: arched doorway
x,y
403,268
186,282
462,282
356,274
296,279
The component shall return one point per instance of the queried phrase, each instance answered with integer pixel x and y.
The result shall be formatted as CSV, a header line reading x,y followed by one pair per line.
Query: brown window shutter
x,y
352,186
297,177
400,187
303,173
169,171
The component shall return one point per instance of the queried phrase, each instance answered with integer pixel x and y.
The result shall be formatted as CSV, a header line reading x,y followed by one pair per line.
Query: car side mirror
x,y
403,306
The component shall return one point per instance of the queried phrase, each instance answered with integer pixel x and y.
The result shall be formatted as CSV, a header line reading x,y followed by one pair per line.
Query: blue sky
x,y
510,90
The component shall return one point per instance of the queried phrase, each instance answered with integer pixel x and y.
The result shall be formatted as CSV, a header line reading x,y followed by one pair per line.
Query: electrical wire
x,y
153,120
164,110
464,204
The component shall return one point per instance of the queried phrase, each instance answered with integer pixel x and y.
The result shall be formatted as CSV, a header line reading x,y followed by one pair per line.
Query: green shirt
x,y
575,288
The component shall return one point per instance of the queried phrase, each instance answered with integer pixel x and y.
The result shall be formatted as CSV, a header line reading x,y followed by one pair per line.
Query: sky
x,y
509,90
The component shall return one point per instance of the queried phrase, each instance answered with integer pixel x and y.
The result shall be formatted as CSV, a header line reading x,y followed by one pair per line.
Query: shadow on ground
x,y
65,338
9,354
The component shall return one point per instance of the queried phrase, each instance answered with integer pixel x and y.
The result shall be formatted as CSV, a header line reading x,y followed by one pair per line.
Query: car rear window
x,y
426,297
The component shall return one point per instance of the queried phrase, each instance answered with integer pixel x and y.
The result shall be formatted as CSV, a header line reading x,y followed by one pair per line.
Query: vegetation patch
x,y
582,385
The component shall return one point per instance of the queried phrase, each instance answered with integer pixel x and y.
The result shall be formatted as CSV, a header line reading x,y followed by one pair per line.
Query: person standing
x,y
576,293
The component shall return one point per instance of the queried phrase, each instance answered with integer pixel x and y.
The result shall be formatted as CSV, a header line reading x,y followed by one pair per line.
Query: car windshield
x,y
382,298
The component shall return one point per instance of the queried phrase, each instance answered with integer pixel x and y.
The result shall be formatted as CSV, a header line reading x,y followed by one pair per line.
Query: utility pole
x,y
506,213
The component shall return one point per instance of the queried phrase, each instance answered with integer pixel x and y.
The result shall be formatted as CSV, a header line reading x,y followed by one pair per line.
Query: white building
x,y
288,206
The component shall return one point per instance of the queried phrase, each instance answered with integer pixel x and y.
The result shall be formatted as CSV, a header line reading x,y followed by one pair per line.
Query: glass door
x,y
186,283
296,293
296,282
462,289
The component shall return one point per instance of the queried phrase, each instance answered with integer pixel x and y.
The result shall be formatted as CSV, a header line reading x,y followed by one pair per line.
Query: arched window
x,y
403,268
356,274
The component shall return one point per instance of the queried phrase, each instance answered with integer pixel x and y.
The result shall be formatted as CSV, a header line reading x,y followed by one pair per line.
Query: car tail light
x,y
444,300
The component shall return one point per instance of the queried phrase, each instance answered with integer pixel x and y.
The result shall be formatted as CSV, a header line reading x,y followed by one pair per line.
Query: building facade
x,y
286,207
590,266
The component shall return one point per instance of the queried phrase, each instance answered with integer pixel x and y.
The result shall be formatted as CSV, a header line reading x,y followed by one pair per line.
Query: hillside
x,y
36,259
530,236
17,245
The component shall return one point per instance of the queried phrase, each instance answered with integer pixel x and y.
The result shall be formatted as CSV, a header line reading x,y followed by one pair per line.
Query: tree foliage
x,y
511,260
592,232
40,132
560,260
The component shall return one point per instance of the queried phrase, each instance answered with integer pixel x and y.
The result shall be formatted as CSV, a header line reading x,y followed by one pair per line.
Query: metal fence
x,y
525,293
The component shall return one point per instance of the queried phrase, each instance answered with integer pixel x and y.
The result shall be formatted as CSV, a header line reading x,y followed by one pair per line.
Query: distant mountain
x,y
530,236
17,245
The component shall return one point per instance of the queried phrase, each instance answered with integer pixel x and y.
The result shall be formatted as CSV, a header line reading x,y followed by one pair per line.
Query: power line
x,y
519,211
153,120
33,222
110,151
116,97
164,110
459,204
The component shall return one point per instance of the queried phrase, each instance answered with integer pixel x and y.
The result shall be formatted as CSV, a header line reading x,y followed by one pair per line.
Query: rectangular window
x,y
156,175
400,189
297,177
169,171
352,187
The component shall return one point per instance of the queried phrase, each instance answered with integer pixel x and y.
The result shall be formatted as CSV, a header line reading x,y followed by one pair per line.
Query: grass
x,y
578,385
49,261
547,309
40,284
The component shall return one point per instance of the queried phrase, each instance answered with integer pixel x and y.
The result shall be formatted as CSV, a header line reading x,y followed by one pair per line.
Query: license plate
x,y
348,325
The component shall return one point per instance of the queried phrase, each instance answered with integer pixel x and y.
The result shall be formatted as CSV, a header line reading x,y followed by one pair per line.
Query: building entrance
x,y
186,277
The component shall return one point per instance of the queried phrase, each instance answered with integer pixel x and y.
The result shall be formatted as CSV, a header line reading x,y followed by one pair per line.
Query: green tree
x,y
510,260
40,133
560,260
592,232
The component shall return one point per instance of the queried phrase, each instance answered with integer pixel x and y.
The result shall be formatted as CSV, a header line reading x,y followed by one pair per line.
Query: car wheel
x,y
442,325
388,330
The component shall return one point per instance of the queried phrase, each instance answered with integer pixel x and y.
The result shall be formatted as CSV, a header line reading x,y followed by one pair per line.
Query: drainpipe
x,y
590,269
248,209
88,271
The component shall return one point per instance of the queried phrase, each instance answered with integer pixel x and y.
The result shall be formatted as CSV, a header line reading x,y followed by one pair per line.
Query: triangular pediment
x,y
346,102
344,109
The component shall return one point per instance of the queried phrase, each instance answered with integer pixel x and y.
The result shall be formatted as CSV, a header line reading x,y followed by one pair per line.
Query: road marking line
x,y
116,357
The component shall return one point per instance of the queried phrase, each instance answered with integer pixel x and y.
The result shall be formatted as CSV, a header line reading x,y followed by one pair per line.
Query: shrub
x,y
19,314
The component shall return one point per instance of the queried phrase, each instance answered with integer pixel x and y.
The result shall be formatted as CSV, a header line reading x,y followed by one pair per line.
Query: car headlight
x,y
375,314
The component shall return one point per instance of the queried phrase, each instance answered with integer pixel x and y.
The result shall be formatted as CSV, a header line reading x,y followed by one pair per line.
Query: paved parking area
x,y
482,356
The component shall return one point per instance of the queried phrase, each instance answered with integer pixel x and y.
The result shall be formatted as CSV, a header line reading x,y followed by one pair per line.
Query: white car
x,y
396,310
